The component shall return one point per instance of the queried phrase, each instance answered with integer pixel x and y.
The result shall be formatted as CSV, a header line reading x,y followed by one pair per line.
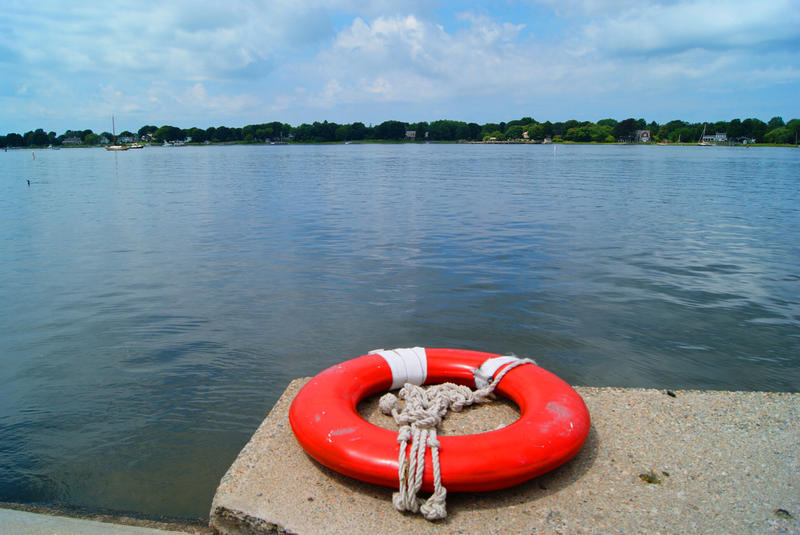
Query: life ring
x,y
552,427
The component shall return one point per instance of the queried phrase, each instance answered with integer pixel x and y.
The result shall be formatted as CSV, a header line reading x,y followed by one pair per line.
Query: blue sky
x,y
196,63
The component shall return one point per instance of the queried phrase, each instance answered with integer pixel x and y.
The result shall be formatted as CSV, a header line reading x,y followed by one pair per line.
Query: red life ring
x,y
552,427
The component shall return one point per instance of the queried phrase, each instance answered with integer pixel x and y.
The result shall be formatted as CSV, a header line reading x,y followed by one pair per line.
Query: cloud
x,y
666,27
607,47
407,59
250,60
176,39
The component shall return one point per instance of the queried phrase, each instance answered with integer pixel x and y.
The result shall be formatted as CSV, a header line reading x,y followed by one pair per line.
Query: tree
x,y
391,130
462,131
91,139
755,129
146,129
198,135
304,132
224,134
625,130
420,128
776,122
607,122
514,132
169,133
14,140
358,131
343,132
37,138
520,122
589,132
447,130
665,131
779,135
784,134
326,131
535,131
488,129
735,128
720,126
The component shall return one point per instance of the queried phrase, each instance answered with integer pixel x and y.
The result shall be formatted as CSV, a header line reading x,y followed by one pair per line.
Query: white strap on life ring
x,y
408,365
485,374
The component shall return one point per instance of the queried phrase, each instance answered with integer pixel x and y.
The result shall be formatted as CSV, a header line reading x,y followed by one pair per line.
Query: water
x,y
157,302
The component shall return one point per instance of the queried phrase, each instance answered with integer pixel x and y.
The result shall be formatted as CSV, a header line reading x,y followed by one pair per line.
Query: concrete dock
x,y
654,462
20,522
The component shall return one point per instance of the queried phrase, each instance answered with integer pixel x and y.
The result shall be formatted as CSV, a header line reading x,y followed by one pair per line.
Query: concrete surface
x,y
698,462
14,522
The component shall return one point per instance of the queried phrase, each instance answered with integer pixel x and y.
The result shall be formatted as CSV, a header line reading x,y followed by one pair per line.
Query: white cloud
x,y
668,27
250,60
625,46
176,39
407,59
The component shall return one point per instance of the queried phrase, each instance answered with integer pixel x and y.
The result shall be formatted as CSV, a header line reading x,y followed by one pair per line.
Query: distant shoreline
x,y
403,142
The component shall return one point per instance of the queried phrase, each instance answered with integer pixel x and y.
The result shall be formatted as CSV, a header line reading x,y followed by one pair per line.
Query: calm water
x,y
155,303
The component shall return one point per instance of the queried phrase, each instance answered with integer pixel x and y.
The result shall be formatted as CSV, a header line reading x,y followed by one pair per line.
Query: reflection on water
x,y
157,302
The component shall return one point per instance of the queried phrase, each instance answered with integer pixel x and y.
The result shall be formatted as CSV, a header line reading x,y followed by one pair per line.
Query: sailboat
x,y
114,145
701,142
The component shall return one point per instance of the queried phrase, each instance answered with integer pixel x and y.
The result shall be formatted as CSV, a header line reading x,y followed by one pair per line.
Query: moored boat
x,y
114,146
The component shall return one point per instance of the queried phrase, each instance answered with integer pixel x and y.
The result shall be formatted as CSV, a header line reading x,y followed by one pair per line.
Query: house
x,y
125,139
642,136
720,137
72,140
708,138
411,134
525,135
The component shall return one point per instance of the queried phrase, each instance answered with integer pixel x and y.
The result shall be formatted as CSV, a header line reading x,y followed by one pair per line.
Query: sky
x,y
196,63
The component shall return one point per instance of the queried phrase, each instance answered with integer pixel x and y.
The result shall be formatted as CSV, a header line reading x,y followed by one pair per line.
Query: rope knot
x,y
419,419
404,434
388,404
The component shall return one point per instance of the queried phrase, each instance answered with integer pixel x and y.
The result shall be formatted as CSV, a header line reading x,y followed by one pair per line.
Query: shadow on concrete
x,y
540,487
529,492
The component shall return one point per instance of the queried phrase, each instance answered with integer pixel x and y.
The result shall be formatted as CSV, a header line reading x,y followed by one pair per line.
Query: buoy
x,y
553,425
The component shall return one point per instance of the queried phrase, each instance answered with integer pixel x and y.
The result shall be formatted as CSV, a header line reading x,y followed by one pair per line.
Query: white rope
x,y
418,420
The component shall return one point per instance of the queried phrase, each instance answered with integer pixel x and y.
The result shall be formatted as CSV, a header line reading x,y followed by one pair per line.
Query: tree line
x,y
603,131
